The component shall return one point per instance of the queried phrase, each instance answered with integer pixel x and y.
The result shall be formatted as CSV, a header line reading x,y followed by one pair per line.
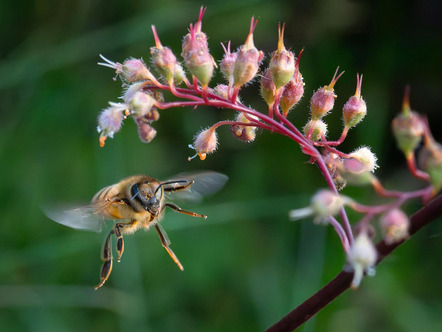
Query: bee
x,y
137,202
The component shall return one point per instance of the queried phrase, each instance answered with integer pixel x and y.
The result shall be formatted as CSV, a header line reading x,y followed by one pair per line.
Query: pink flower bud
x,y
395,224
319,130
244,133
141,104
407,127
362,257
323,99
268,88
132,70
355,108
205,142
196,53
430,160
248,59
293,90
359,165
282,62
146,132
110,121
227,64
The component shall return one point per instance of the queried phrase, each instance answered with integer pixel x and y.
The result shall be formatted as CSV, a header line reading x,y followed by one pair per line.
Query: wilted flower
x,y
146,132
362,257
245,132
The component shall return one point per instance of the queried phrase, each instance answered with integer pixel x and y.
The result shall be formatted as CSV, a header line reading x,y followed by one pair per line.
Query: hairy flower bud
x,y
430,160
268,88
358,167
141,104
227,64
146,132
248,59
245,132
355,108
407,128
319,130
362,257
110,121
293,90
282,62
132,70
395,224
205,142
195,51
323,99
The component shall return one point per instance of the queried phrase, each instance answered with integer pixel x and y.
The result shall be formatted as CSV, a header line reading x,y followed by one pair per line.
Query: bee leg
x,y
165,242
120,242
180,210
107,258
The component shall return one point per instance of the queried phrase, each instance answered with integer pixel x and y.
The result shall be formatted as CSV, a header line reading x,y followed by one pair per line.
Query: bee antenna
x,y
137,191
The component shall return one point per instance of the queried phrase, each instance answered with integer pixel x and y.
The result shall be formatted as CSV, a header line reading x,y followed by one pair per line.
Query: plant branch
x,y
343,280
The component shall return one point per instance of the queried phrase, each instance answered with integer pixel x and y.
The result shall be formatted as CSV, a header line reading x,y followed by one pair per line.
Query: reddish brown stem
x,y
342,281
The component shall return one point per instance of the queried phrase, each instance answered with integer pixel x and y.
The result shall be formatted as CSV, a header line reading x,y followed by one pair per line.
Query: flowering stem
x,y
342,235
342,281
411,163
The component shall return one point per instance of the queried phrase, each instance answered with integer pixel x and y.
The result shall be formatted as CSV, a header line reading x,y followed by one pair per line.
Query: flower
x,y
395,224
205,142
362,257
131,70
110,120
355,108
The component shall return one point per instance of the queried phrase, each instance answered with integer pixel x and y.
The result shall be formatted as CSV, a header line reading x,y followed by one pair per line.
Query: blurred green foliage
x,y
246,266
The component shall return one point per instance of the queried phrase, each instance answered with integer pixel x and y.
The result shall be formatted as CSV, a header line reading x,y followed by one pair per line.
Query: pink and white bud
x,y
205,142
355,108
110,120
268,88
362,257
227,64
323,100
141,104
248,59
395,225
145,131
131,70
293,90
282,62
319,130
367,159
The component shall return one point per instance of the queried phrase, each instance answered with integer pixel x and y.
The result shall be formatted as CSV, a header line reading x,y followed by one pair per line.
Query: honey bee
x,y
137,202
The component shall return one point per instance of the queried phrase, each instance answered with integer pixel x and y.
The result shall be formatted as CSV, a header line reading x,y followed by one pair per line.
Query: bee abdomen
x,y
105,193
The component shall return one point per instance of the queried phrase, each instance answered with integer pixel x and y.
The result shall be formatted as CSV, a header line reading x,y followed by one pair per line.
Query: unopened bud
x,y
319,130
355,108
430,160
245,133
141,104
323,99
293,90
205,142
358,167
146,132
282,62
110,121
227,64
395,224
362,257
268,88
366,158
248,59
196,54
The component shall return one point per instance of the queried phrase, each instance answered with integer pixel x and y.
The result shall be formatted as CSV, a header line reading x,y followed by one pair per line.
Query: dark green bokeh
x,y
247,265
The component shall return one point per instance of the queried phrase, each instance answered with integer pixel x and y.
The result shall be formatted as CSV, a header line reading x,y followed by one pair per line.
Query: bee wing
x,y
84,218
204,183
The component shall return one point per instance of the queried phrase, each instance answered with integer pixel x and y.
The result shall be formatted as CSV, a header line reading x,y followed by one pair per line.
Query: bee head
x,y
148,195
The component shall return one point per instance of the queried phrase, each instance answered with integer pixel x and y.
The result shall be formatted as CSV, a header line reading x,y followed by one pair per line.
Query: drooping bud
x,y
395,224
245,133
165,61
366,158
323,205
227,64
362,257
293,91
146,132
319,130
430,160
323,99
195,51
205,142
110,121
407,127
248,59
282,62
141,104
131,70
355,108
268,88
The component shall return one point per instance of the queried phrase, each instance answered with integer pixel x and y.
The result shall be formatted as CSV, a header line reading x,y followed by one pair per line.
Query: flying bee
x,y
137,202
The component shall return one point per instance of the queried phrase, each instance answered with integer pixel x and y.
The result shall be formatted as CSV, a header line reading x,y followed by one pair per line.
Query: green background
x,y
246,266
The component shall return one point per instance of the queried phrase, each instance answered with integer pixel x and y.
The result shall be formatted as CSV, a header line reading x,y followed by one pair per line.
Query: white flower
x,y
362,257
